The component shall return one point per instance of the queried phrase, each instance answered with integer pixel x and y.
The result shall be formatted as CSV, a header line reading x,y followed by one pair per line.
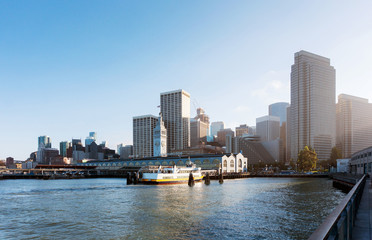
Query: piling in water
x,y
191,180
129,178
207,179
220,179
135,178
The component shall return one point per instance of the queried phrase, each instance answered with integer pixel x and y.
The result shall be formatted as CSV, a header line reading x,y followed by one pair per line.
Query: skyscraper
x,y
313,109
199,128
63,148
44,142
175,107
279,109
216,126
354,124
143,127
268,128
91,138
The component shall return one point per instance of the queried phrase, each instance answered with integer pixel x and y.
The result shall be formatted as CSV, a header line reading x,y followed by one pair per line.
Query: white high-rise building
x,y
354,124
313,106
143,127
175,107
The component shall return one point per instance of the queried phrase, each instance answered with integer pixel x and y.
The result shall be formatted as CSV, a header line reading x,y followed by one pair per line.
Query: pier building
x,y
229,163
361,161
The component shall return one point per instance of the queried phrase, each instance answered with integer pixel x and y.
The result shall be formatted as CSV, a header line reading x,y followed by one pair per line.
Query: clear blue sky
x,y
70,67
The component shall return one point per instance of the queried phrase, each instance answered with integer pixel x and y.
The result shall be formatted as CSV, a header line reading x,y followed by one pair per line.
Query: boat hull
x,y
168,181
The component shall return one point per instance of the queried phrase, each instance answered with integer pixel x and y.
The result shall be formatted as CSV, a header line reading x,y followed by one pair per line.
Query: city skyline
x,y
61,79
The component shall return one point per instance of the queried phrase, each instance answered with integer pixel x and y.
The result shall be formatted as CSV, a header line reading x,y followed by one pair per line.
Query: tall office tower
x,y
204,118
288,135
199,128
44,142
354,124
76,142
63,148
143,127
313,107
93,135
215,127
280,110
268,128
118,148
175,107
91,138
160,138
242,129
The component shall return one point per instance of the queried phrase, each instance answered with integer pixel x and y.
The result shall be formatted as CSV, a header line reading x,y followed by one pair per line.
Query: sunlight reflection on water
x,y
255,208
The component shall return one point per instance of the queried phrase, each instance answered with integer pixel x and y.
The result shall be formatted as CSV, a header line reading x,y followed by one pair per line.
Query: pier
x,y
351,219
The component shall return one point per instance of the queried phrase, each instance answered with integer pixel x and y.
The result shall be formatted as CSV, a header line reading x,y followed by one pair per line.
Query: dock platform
x,y
363,220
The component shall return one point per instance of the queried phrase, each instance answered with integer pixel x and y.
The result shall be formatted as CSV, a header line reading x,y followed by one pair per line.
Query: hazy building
x,y
200,114
242,129
313,107
126,152
199,128
354,124
275,149
88,141
9,162
104,144
268,128
93,135
175,108
143,127
63,148
221,136
76,142
279,110
160,138
47,155
288,135
253,149
216,126
44,142
118,148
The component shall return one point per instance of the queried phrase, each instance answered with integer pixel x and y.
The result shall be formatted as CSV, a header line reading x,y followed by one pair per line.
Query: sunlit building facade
x,y
354,124
143,127
175,108
313,106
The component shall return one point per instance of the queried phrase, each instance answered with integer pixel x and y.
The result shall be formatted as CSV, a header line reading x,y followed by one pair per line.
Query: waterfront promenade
x,y
363,222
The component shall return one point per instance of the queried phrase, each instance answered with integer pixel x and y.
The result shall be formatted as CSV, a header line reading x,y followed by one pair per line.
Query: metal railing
x,y
339,224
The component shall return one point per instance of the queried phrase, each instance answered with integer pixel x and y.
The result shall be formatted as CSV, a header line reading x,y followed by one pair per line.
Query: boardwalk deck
x,y
363,221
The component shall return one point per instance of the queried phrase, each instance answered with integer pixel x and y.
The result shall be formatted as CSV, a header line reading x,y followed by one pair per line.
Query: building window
x,y
225,163
232,163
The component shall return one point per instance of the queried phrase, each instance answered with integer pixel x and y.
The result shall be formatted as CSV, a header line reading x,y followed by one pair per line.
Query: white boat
x,y
168,174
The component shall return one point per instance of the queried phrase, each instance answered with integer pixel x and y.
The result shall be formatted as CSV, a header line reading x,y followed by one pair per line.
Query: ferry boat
x,y
168,174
